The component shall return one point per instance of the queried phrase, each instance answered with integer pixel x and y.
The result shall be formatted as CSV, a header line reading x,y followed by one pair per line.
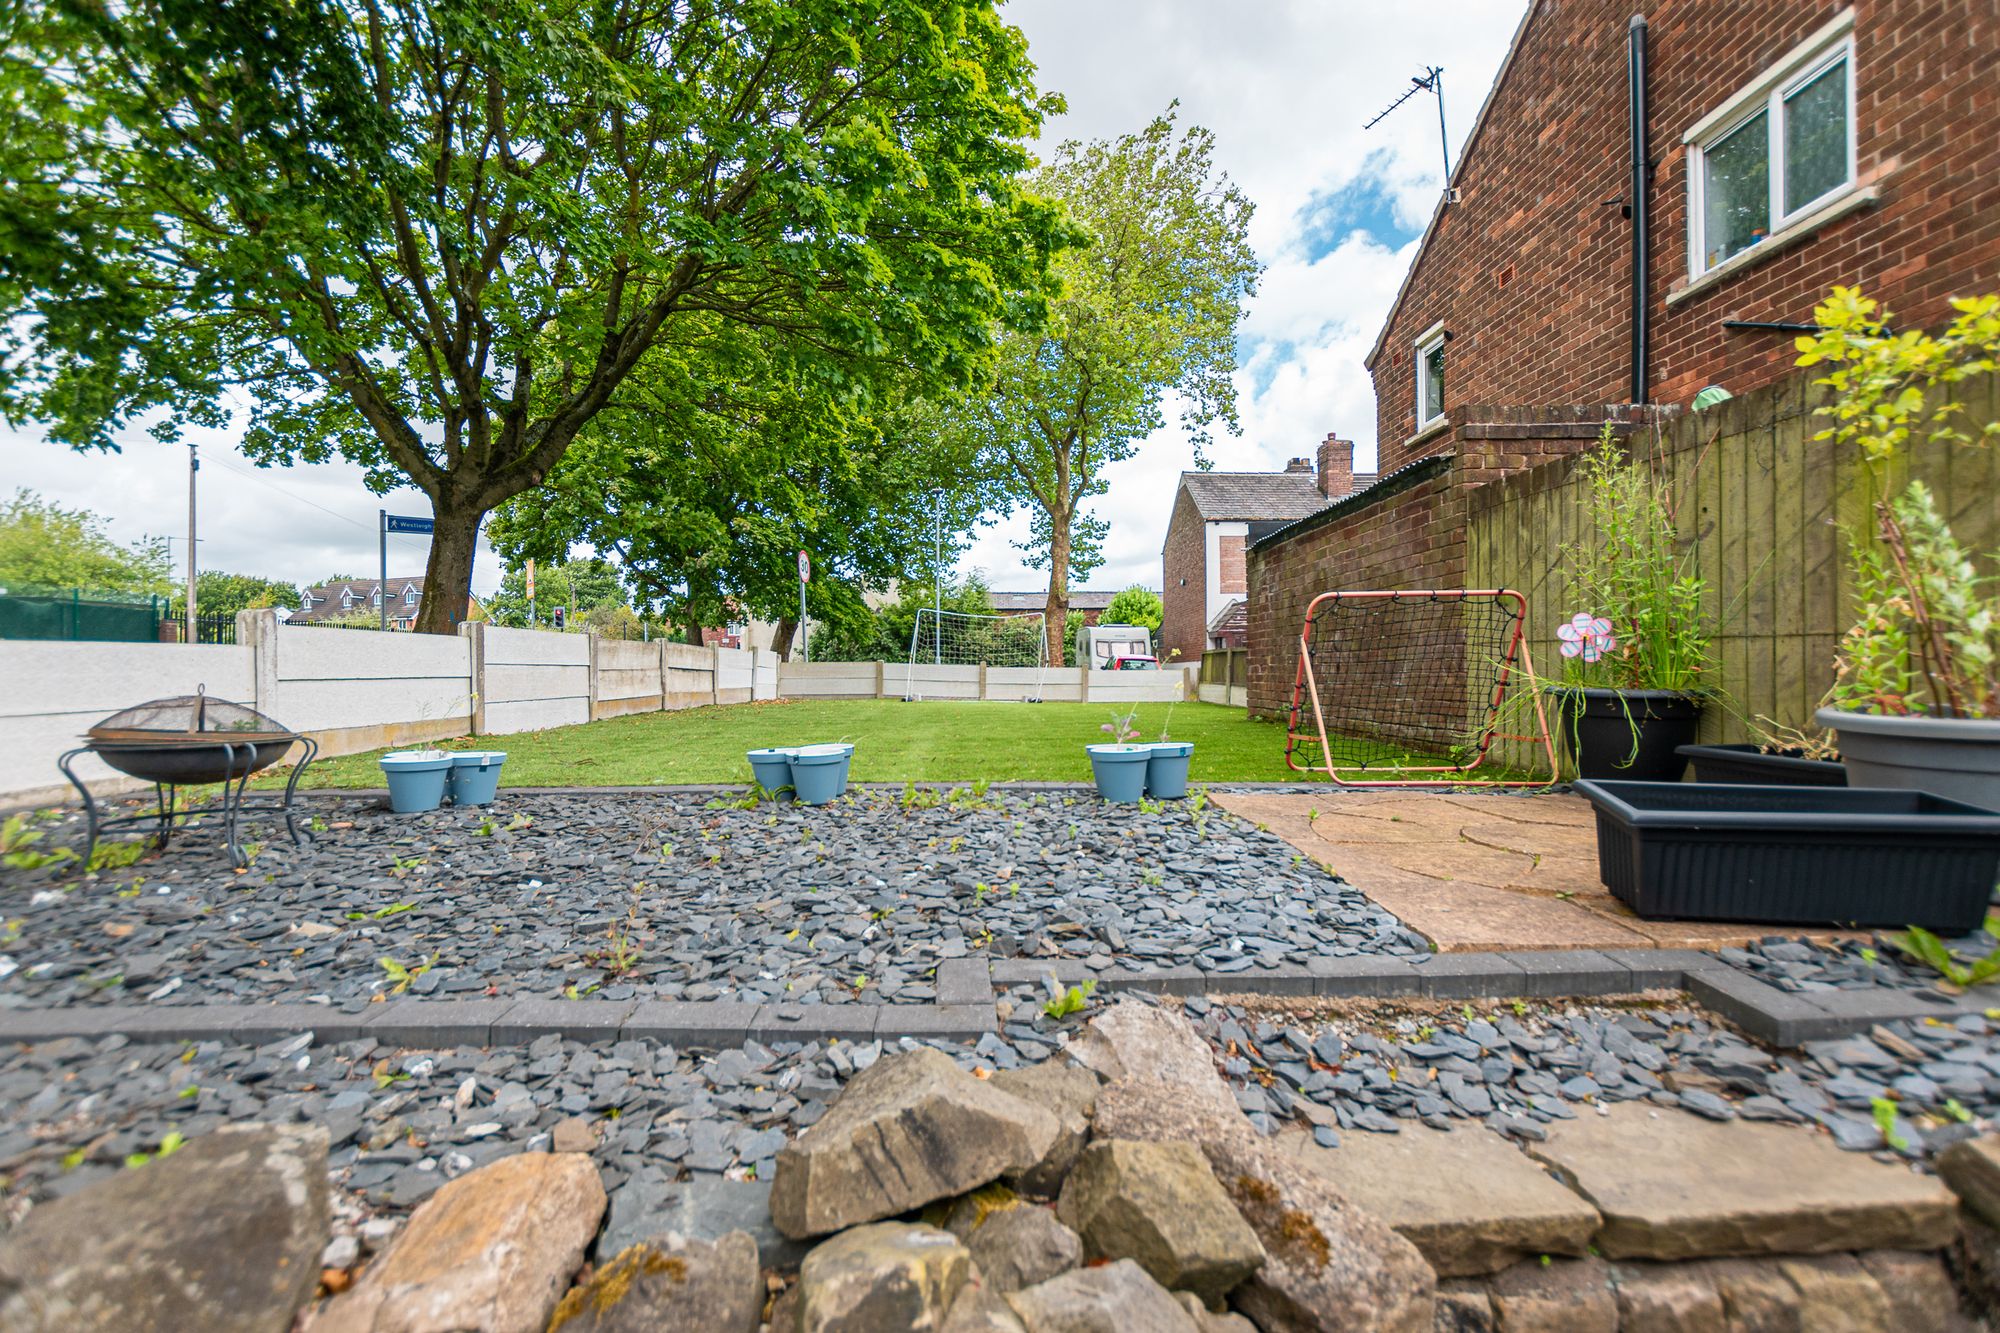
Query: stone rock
x,y
1836,1295
223,1235
1972,1168
1141,1040
980,1309
702,1207
574,1134
1067,1092
1462,1307
886,1275
1019,1245
1467,1198
1756,1297
1208,1321
1918,1288
1667,1298
1758,1188
1158,1204
672,1285
1976,1260
910,1129
1566,1296
1328,1264
1114,1298
492,1250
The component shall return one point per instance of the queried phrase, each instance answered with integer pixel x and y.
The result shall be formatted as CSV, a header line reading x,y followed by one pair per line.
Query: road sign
x,y
805,568
403,523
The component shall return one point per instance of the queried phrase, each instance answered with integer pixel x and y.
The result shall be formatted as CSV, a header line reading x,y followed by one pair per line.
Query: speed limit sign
x,y
805,568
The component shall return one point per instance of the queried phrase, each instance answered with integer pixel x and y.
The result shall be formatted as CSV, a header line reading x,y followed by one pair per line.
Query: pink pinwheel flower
x,y
1586,636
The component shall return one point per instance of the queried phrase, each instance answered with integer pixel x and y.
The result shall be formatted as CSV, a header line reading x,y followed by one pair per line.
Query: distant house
x,y
1216,516
353,598
1090,602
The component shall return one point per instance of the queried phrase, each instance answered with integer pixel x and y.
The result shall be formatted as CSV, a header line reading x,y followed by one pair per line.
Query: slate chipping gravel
x,y
1517,1070
1802,967
775,902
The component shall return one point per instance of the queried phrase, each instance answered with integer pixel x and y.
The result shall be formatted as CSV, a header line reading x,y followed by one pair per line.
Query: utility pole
x,y
937,582
382,552
194,466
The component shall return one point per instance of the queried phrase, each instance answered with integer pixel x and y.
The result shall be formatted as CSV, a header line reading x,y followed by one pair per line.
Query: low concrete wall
x,y
897,680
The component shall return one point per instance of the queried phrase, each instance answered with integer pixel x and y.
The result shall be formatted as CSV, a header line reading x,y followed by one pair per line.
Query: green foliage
x,y
1884,1112
586,586
18,849
1931,951
220,594
45,547
1633,571
1072,1001
1926,635
450,241
884,634
1148,311
400,977
172,1142
1136,605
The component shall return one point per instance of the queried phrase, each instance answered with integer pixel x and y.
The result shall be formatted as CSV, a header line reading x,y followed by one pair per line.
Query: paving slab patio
x,y
1477,871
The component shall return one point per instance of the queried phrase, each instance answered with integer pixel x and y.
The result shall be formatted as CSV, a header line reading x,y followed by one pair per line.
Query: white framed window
x,y
409,597
1430,376
1774,154
346,599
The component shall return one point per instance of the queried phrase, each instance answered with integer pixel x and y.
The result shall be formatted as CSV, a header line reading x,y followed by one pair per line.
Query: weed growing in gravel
x,y
519,822
17,847
402,977
1071,1001
1153,876
169,1145
1149,806
1927,948
1884,1112
405,866
485,828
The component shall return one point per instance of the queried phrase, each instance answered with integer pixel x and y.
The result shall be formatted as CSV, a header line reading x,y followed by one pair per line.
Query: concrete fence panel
x,y
532,679
356,690
628,678
829,680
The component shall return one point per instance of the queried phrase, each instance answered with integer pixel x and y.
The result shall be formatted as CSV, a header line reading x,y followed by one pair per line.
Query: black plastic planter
x,y
1747,763
1822,856
1631,735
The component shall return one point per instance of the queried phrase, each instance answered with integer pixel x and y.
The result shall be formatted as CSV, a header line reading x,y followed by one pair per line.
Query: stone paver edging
x,y
964,1009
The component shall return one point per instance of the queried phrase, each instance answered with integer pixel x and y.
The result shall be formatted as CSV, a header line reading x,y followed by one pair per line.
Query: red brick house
x,y
1647,206
1216,515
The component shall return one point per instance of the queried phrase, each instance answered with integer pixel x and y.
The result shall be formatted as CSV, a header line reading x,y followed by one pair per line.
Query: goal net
x,y
949,649
1418,689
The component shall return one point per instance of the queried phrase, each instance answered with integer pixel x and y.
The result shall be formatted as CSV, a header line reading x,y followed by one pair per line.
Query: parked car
x,y
1135,662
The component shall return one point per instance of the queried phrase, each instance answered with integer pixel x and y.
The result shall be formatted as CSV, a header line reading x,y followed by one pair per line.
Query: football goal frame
x,y
1416,687
975,639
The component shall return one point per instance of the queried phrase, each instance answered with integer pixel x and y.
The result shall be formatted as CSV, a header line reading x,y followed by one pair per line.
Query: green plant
x,y
170,1144
484,829
18,850
1072,1001
1123,727
519,822
1926,637
1928,949
402,867
400,976
1884,1112
1633,572
118,855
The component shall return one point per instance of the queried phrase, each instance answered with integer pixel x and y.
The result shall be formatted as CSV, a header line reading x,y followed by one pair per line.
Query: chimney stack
x,y
1336,467
1299,465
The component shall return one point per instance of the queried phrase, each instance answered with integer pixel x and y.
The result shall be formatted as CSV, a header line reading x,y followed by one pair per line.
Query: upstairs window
x,y
409,597
1776,151
1430,377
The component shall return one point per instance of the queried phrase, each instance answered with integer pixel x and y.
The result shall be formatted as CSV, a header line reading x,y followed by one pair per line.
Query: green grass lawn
x,y
893,742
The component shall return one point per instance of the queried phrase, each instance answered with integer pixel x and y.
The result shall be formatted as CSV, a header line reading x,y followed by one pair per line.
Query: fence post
x,y
714,674
881,679
591,710
259,631
982,680
660,664
475,634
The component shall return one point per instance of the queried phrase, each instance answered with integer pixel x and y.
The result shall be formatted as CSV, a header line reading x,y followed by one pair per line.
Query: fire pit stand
x,y
190,741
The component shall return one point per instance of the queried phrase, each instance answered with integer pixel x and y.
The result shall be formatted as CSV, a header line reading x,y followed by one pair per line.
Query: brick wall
x,y
1229,564
1531,271
1183,583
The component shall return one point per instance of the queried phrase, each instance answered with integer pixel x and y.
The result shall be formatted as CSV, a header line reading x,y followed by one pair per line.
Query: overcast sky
x,y
1285,84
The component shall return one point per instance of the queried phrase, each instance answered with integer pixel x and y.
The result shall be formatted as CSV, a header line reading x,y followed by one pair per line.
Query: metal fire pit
x,y
190,740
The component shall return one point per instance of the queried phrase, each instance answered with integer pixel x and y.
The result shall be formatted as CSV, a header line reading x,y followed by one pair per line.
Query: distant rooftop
x,y
1080,599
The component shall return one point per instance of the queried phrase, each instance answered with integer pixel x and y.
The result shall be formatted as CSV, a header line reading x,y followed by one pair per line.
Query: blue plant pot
x,y
772,770
819,772
1167,769
1120,771
475,776
416,781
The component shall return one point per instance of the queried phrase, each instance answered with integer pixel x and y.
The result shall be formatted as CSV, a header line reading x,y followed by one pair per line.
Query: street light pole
x,y
194,466
937,582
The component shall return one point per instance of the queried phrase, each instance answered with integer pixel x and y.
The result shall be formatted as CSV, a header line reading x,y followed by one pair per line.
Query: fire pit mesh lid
x,y
186,715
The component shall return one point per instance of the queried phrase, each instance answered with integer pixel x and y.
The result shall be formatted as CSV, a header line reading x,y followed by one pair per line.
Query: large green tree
x,y
1148,313
220,594
441,237
46,547
581,586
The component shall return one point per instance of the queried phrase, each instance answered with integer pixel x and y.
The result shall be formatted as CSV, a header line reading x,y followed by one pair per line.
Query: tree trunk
x,y
448,574
1055,612
781,638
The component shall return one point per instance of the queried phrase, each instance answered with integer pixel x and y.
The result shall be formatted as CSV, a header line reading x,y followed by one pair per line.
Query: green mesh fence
x,y
73,616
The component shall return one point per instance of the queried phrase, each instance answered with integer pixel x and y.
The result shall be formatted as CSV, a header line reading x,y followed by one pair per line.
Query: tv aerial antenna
x,y
1430,81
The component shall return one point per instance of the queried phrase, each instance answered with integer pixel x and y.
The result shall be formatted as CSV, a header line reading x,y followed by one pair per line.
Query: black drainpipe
x,y
1642,173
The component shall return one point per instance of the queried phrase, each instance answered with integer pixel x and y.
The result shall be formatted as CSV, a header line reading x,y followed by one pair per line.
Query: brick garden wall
x,y
1531,272
1184,614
